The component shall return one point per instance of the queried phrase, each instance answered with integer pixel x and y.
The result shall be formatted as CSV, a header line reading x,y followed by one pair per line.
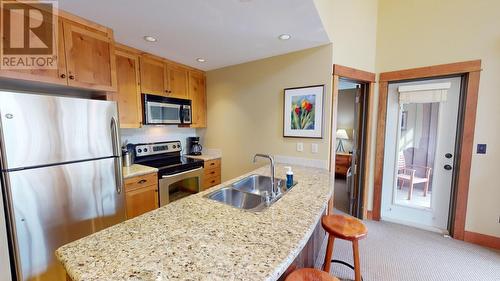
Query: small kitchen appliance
x,y
193,145
178,176
166,111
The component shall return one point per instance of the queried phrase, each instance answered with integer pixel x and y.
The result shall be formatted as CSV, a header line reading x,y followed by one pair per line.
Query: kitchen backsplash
x,y
149,134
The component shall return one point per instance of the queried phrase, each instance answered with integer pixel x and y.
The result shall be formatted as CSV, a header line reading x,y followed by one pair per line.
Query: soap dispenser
x,y
289,177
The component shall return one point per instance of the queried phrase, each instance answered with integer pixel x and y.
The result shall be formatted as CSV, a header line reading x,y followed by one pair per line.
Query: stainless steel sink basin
x,y
249,193
258,184
236,198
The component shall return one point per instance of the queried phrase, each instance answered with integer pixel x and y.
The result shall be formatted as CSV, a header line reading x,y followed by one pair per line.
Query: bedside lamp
x,y
341,135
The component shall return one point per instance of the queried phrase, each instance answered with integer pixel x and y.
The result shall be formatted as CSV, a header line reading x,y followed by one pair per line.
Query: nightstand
x,y
342,163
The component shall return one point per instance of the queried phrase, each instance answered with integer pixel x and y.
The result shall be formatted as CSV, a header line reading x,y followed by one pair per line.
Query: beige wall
x,y
352,28
428,32
345,115
245,107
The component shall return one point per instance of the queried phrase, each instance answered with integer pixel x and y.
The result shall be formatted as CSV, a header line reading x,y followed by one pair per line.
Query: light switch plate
x,y
314,148
300,147
481,148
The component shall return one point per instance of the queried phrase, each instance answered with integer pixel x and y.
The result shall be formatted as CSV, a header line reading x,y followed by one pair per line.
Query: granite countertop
x,y
207,154
199,239
137,170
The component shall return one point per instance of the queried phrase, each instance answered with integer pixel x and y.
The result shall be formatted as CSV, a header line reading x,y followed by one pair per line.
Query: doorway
x,y
470,72
352,95
420,141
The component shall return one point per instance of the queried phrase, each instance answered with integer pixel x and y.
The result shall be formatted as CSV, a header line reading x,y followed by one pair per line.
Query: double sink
x,y
252,193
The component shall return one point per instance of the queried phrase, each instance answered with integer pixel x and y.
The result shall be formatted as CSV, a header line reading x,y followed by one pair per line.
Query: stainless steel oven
x,y
179,185
162,110
178,176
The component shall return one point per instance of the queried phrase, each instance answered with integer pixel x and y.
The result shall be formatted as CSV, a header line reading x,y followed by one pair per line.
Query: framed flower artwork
x,y
303,112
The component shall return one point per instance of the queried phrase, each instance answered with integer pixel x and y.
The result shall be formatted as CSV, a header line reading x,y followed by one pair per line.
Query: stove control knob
x,y
145,150
139,150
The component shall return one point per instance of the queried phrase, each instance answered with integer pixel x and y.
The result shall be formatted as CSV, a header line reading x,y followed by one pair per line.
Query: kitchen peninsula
x,y
200,239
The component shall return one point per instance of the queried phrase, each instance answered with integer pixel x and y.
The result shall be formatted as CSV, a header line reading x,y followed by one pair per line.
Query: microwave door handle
x,y
181,114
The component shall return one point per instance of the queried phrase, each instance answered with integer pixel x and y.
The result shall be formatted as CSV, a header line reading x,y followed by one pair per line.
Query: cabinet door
x,y
197,94
153,76
89,57
142,200
53,76
128,93
177,81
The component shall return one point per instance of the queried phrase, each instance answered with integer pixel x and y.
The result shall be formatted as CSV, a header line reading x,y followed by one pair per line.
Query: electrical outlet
x,y
314,148
300,147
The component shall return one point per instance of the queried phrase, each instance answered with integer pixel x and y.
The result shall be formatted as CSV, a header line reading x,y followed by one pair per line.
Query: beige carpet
x,y
393,252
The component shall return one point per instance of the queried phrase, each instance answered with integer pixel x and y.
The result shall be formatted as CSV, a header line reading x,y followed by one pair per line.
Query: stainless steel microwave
x,y
160,110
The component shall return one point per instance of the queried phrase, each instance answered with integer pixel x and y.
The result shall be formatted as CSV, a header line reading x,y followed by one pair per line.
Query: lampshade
x,y
342,134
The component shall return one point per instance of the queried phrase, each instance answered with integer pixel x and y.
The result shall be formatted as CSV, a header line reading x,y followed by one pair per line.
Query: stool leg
x,y
328,255
357,269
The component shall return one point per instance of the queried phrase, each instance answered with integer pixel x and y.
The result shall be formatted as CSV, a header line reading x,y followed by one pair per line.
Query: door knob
x,y
448,155
447,167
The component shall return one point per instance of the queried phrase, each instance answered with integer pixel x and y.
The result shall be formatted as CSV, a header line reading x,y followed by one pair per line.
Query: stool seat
x,y
344,227
310,274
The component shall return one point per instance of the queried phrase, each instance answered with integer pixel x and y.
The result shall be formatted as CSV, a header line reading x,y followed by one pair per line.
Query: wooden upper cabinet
x,y
153,76
128,93
198,96
177,81
53,76
90,58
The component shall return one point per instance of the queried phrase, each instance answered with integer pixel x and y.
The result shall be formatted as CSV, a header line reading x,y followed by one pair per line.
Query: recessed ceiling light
x,y
285,36
201,60
150,38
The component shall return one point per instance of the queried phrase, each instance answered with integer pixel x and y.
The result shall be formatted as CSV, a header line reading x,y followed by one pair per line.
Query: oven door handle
x,y
185,172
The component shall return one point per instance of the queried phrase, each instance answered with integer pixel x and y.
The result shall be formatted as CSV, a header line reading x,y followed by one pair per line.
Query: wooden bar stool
x,y
310,274
347,228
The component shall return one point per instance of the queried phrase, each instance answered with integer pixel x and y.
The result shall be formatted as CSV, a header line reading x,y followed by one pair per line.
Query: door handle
x,y
447,167
178,174
118,157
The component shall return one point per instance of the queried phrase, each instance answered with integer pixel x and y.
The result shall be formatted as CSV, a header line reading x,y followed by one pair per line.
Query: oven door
x,y
162,113
177,186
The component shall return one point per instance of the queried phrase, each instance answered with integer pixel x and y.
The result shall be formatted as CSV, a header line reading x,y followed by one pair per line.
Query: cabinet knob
x,y
72,77
142,181
63,75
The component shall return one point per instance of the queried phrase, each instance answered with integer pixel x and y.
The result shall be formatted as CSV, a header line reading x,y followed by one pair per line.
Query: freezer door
x,y
39,129
55,205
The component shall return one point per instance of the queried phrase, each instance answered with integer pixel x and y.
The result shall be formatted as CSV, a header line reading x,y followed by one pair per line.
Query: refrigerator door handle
x,y
118,157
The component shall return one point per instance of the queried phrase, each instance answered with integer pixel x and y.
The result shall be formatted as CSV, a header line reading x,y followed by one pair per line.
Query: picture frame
x,y
303,112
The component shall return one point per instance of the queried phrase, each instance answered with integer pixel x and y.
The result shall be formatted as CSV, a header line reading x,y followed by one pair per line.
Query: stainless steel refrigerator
x,y
61,176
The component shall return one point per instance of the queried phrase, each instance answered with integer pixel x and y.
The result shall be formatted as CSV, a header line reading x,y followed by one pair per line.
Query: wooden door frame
x,y
368,78
470,70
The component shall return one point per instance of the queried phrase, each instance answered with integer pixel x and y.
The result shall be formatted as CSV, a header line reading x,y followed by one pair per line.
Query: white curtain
x,y
424,93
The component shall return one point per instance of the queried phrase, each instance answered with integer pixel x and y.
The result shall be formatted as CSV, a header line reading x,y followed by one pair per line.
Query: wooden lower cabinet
x,y
141,194
212,173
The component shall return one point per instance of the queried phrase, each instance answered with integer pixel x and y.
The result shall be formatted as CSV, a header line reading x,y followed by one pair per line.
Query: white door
x,y
419,152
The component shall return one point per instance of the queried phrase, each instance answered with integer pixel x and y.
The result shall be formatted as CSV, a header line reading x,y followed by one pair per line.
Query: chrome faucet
x,y
274,189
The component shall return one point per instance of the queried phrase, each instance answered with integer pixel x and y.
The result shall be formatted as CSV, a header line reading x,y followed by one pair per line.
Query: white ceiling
x,y
224,32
